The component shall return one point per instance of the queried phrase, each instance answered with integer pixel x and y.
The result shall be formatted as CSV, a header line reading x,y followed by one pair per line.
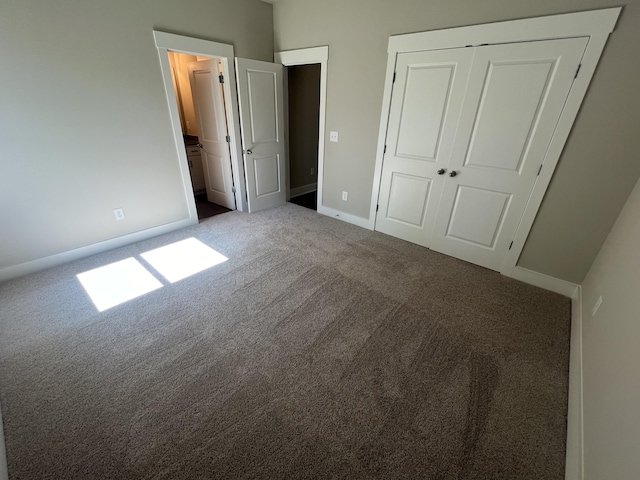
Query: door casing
x,y
307,56
166,42
597,25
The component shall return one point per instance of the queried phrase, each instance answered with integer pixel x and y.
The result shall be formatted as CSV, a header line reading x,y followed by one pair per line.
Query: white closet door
x,y
425,106
260,98
515,96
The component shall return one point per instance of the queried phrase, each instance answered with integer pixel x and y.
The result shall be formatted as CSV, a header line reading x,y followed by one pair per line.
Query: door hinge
x,y
394,78
377,207
577,71
539,170
228,139
233,189
385,149
511,245
221,78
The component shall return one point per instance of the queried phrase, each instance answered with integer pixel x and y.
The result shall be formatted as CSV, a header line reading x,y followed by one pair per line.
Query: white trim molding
x,y
596,25
4,471
64,257
308,56
547,282
574,465
166,42
574,461
297,191
345,217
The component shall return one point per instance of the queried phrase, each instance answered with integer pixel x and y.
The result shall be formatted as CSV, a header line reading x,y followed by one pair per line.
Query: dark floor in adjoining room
x,y
207,209
308,200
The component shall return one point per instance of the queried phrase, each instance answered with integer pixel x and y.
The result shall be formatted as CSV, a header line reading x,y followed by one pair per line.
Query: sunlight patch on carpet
x,y
117,283
182,259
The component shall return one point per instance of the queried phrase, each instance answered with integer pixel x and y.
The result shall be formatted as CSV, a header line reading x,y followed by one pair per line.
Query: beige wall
x,y
179,64
611,352
598,167
84,120
304,111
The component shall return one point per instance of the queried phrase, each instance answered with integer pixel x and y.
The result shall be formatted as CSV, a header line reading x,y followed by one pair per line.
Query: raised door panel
x,y
209,123
477,215
508,113
513,102
267,175
408,199
215,169
262,106
425,106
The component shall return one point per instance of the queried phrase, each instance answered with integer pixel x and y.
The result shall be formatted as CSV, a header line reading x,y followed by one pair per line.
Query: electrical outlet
x,y
333,136
596,306
188,125
345,195
313,171
118,213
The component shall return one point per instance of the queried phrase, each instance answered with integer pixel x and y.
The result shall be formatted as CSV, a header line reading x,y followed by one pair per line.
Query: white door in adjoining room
x,y
208,101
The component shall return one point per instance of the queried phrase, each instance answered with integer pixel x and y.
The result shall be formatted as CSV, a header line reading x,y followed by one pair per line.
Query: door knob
x,y
199,145
441,171
249,152
453,173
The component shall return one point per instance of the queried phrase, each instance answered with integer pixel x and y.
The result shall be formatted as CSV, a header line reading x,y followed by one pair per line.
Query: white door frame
x,y
596,24
166,42
306,56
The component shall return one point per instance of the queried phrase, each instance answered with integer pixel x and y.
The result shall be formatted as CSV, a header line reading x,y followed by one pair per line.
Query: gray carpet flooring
x,y
319,350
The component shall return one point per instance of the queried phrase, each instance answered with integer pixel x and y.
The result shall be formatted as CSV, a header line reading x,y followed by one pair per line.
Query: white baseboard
x,y
296,192
75,254
541,280
574,460
574,466
4,472
346,217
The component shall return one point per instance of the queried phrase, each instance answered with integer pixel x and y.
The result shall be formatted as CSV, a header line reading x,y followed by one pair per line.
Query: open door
x,y
212,128
260,98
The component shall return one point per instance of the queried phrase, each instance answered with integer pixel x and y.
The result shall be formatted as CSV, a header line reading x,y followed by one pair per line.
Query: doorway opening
x,y
303,89
306,84
199,91
167,43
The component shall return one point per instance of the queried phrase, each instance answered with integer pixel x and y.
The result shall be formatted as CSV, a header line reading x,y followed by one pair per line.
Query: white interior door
x,y
260,98
208,101
425,106
515,97
467,135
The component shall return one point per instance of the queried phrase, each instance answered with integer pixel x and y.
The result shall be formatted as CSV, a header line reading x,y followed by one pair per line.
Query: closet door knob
x,y
199,145
453,173
441,171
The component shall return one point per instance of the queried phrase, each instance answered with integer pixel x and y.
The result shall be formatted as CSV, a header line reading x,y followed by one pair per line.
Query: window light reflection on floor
x,y
117,283
183,259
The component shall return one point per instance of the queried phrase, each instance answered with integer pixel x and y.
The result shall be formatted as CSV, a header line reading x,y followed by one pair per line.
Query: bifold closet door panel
x,y
425,107
515,95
